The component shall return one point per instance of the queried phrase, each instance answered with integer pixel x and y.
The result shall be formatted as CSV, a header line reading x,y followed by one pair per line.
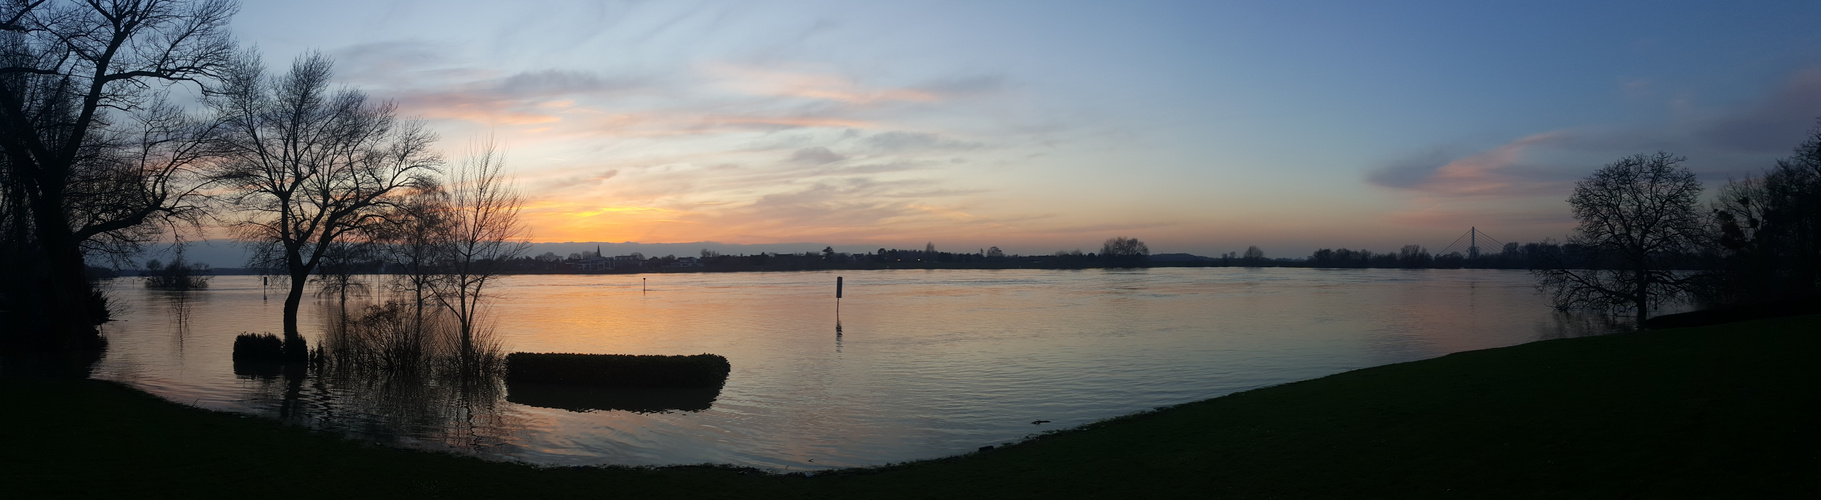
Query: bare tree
x,y
1770,230
1636,214
414,238
1123,251
92,151
310,166
1254,256
1414,256
483,232
338,274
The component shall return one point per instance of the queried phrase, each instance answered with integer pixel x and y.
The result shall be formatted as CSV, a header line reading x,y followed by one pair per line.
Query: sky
x,y
1201,127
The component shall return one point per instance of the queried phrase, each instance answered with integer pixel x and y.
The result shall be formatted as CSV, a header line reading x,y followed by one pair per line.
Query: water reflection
x,y
178,303
458,412
262,369
1577,324
948,361
584,399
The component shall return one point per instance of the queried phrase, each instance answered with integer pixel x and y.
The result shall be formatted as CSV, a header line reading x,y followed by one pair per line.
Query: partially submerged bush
x,y
178,275
382,337
396,338
258,355
259,347
617,370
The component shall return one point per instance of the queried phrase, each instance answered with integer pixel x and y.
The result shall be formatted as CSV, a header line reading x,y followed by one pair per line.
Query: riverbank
x,y
1724,410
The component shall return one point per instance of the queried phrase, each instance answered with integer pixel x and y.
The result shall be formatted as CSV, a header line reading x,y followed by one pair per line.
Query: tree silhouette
x,y
1637,213
1414,256
1770,230
92,151
309,167
1254,257
412,238
1123,252
483,232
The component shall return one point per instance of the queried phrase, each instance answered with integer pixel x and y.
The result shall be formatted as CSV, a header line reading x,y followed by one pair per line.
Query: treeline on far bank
x,y
1510,256
1547,254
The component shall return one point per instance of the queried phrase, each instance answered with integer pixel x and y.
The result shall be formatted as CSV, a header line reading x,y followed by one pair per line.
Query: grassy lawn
x,y
1720,411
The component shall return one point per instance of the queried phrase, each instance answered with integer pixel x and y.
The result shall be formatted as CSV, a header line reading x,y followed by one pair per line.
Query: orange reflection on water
x,y
923,364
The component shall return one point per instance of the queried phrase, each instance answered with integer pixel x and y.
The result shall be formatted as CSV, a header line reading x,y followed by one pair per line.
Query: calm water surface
x,y
918,364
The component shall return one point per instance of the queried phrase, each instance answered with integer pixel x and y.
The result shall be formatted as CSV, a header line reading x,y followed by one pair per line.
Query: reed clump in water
x,y
395,338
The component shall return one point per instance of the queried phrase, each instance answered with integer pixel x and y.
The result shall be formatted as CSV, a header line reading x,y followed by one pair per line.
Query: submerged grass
x,y
1717,411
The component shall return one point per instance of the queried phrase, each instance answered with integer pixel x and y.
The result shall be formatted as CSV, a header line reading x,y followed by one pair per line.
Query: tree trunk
x,y
343,306
71,310
467,336
1641,299
417,290
294,344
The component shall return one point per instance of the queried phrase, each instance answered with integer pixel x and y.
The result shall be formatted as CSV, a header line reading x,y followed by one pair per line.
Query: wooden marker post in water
x,y
642,285
838,313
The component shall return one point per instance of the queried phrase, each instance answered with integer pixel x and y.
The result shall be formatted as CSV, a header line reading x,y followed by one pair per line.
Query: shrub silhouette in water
x,y
178,275
258,347
617,370
258,354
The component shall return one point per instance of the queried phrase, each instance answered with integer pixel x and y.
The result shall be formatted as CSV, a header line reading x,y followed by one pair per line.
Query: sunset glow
x,y
1199,127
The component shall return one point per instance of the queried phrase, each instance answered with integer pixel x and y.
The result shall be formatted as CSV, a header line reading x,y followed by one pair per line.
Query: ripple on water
x,y
926,364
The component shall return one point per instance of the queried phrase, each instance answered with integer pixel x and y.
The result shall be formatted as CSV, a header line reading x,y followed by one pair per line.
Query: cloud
x,y
1773,124
392,61
815,156
820,86
577,181
426,80
553,82
762,122
1718,144
893,142
965,86
520,98
1447,215
720,150
1498,172
1515,188
850,209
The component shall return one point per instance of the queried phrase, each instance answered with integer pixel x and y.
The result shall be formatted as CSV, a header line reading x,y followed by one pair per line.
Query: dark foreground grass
x,y
1725,411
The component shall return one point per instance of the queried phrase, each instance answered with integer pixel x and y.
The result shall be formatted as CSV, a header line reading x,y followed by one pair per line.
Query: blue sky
x,y
1199,127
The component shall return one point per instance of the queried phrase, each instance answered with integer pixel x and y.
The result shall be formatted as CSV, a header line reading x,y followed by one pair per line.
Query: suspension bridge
x,y
1472,238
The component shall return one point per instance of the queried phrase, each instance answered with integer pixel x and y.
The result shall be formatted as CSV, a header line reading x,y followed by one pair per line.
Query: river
x,y
914,364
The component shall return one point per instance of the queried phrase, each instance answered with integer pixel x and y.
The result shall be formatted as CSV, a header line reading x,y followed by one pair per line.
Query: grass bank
x,y
1718,411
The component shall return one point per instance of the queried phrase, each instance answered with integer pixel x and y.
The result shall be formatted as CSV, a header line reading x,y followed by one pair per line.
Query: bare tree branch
x,y
311,166
1636,215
